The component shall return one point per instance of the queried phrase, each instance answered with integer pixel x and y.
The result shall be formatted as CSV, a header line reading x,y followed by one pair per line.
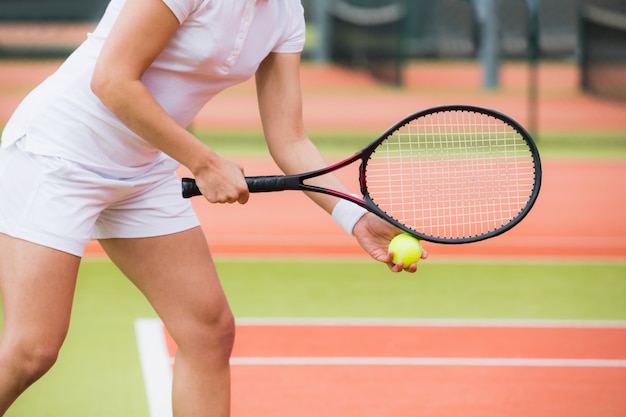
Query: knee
x,y
39,361
221,333
30,360
215,336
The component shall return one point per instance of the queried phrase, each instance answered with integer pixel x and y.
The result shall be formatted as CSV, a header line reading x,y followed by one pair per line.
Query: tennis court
x,y
406,368
447,363
434,368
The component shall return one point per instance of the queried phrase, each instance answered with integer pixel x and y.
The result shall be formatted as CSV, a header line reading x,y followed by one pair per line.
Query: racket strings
x,y
453,174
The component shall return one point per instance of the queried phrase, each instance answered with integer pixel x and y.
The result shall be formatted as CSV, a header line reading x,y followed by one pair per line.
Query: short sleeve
x,y
295,35
182,8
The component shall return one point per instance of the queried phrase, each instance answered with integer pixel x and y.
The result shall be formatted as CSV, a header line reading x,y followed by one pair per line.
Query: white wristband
x,y
346,214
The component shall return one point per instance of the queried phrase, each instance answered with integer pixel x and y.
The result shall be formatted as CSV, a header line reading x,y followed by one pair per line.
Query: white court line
x,y
422,361
155,366
412,322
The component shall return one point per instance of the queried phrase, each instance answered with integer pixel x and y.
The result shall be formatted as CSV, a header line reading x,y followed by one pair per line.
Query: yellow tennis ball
x,y
406,249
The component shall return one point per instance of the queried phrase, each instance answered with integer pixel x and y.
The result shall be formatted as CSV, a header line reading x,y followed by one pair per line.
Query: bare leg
x,y
37,286
177,275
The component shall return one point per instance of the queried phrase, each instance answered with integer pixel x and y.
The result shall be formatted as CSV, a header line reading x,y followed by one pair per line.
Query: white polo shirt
x,y
219,43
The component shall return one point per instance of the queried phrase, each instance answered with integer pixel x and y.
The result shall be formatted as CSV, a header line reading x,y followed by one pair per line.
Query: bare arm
x,y
141,32
280,104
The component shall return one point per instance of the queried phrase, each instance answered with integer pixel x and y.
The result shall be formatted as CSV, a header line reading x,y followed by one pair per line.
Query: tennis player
x,y
91,153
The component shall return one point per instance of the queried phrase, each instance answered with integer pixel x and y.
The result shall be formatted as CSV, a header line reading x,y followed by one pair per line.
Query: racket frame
x,y
273,183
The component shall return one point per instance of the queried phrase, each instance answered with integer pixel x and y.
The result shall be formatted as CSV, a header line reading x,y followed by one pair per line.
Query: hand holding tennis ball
x,y
406,249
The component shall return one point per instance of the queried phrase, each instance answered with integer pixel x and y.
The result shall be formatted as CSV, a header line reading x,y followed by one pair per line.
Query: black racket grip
x,y
259,184
190,189
270,183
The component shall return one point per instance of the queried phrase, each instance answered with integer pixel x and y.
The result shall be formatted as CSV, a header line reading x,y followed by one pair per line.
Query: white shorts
x,y
63,205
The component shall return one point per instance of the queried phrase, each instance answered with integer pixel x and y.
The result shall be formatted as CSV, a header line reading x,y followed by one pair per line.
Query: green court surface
x,y
341,143
98,373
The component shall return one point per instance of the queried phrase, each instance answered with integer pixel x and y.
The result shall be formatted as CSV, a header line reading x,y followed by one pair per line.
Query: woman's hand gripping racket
x,y
449,174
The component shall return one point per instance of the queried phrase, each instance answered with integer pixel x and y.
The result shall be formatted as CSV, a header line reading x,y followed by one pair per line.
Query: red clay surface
x,y
336,98
427,390
430,341
376,391
579,214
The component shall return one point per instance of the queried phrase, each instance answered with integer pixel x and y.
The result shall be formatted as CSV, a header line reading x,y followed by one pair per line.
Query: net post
x,y
486,11
322,26
582,58
533,64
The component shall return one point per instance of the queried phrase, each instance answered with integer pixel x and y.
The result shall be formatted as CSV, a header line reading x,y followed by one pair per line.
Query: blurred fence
x,y
401,30
430,28
451,28
45,28
51,10
381,35
603,47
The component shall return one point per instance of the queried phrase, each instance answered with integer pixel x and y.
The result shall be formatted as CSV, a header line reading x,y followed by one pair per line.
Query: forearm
x,y
135,106
280,105
220,180
299,156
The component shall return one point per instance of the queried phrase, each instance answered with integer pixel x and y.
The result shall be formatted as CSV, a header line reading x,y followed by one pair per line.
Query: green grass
x,y
343,143
454,290
338,143
98,373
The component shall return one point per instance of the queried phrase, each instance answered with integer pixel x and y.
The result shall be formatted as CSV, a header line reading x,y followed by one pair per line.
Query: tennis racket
x,y
448,174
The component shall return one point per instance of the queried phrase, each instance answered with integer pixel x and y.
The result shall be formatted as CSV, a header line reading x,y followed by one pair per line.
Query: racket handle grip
x,y
259,184
271,183
190,189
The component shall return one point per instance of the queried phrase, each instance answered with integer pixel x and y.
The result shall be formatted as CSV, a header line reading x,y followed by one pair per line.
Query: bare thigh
x,y
37,285
177,275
